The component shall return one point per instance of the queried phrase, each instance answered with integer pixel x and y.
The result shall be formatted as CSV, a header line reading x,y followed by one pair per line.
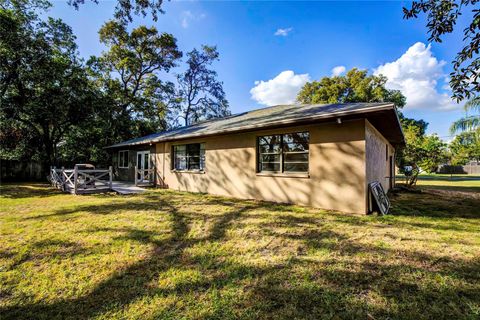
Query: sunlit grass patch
x,y
169,255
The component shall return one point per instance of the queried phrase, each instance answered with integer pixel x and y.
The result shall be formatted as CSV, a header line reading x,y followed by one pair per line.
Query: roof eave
x,y
276,123
253,127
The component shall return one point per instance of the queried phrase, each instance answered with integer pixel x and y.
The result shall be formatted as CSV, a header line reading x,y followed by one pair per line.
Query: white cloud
x,y
338,70
283,32
282,89
187,16
416,74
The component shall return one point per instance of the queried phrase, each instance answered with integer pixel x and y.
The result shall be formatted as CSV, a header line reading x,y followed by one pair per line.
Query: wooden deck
x,y
77,181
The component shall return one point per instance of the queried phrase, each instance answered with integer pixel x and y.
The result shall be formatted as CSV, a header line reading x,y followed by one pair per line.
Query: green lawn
x,y
456,182
173,255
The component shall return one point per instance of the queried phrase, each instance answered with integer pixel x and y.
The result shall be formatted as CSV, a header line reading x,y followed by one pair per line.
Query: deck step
x,y
126,188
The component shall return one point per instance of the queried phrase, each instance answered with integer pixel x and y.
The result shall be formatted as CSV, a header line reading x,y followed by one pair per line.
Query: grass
x,y
173,255
456,182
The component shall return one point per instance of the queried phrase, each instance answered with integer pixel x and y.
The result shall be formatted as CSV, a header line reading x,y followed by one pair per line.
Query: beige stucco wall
x,y
336,168
378,155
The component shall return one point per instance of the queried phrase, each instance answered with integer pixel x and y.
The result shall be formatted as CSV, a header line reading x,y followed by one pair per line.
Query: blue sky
x,y
269,49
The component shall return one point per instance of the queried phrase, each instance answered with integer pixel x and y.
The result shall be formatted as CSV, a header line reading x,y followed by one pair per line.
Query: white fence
x,y
144,176
79,181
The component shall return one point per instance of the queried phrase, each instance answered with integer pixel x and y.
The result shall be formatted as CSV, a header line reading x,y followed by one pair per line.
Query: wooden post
x,y
135,170
75,178
110,177
154,172
63,179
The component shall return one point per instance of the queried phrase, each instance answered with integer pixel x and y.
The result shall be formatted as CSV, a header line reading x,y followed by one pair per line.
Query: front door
x,y
143,164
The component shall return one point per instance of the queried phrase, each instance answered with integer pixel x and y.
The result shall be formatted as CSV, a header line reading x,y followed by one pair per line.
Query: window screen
x,y
283,152
189,157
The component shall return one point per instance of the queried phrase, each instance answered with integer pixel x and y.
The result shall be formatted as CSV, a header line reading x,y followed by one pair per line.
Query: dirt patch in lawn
x,y
452,193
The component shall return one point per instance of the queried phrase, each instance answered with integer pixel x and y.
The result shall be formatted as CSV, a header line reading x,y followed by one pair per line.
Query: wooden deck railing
x,y
79,181
147,174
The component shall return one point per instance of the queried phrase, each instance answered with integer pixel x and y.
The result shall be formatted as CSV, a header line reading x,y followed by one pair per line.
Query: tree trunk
x,y
49,159
412,180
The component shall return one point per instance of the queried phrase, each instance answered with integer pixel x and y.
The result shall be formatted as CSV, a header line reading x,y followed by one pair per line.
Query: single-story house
x,y
321,155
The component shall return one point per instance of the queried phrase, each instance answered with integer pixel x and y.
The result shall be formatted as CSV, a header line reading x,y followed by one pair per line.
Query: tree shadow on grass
x,y
298,285
139,203
461,190
30,190
132,283
45,249
435,206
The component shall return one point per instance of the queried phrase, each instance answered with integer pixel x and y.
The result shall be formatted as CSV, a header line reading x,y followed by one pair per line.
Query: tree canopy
x,y
125,9
355,86
442,18
421,152
55,107
465,147
199,93
129,73
44,87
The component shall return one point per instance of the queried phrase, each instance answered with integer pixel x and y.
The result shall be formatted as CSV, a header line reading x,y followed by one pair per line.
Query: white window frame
x,y
119,158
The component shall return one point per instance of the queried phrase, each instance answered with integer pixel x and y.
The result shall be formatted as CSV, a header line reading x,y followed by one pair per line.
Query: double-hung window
x,y
283,153
189,157
123,159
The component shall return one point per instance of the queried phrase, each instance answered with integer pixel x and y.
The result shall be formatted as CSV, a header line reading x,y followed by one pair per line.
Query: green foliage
x,y
422,152
421,124
435,153
56,109
44,88
442,16
468,122
199,93
125,8
465,147
355,86
128,73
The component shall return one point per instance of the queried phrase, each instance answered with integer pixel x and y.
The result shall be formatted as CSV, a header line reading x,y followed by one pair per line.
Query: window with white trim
x,y
281,153
123,159
189,157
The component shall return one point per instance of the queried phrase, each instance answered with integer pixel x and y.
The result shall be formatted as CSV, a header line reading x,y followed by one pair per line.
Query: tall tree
x,y
44,88
468,122
199,93
422,152
355,86
126,8
442,17
129,74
